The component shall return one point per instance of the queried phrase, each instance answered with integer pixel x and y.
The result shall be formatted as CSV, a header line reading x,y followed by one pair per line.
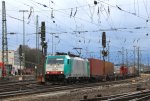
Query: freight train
x,y
65,68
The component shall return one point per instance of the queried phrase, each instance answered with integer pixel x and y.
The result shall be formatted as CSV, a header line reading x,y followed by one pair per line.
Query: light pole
x,y
23,11
52,41
122,53
108,42
134,56
56,43
138,49
126,57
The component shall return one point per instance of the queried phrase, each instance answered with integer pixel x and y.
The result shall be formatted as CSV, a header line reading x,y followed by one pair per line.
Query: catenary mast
x,y
4,37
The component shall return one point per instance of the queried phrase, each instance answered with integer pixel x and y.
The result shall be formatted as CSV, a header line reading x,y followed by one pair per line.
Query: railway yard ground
x,y
82,92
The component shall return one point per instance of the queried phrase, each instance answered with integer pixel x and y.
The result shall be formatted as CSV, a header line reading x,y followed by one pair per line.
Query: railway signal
x,y
44,51
104,39
20,50
43,31
105,53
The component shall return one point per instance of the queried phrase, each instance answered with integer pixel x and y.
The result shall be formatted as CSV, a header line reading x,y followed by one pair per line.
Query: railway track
x,y
35,88
143,95
12,82
17,87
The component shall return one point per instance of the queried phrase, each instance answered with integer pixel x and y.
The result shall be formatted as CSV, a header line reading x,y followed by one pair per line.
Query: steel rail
x,y
137,96
35,89
52,88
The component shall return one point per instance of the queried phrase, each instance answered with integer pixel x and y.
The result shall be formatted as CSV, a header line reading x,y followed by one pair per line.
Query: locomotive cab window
x,y
55,61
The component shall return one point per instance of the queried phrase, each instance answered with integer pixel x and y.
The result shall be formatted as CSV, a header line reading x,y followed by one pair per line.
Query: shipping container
x,y
132,71
96,67
109,68
117,70
3,69
1,64
123,71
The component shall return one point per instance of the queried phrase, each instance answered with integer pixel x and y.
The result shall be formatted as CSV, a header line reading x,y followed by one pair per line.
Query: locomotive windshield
x,y
55,61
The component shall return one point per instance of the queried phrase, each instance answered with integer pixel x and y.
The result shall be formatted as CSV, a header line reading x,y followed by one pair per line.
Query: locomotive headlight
x,y
61,72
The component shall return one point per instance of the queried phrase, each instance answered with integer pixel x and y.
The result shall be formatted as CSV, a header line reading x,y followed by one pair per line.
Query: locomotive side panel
x,y
79,67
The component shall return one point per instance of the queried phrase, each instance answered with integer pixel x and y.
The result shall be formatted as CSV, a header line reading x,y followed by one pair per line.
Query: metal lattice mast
x,y
23,11
4,35
37,40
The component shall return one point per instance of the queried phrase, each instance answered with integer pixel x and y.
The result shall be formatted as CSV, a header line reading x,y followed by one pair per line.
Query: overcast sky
x,y
80,23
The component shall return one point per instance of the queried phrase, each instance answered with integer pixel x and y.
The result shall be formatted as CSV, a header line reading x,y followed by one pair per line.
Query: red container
x,y
1,64
3,69
123,70
109,68
96,67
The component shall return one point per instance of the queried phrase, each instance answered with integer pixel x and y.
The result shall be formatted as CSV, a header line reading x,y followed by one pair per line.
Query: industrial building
x,y
13,62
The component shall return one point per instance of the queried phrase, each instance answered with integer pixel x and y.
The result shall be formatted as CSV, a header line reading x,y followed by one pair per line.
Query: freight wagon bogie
x,y
78,79
96,79
55,78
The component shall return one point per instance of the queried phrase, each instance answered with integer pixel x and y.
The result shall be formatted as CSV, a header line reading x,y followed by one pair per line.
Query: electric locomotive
x,y
63,68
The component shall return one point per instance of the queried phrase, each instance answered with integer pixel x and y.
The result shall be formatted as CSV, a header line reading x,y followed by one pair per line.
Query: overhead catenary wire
x,y
94,30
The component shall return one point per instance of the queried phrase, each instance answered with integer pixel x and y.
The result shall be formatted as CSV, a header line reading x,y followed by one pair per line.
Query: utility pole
x,y
134,55
37,40
52,42
126,57
100,54
23,11
123,56
148,60
108,49
37,45
4,39
138,61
